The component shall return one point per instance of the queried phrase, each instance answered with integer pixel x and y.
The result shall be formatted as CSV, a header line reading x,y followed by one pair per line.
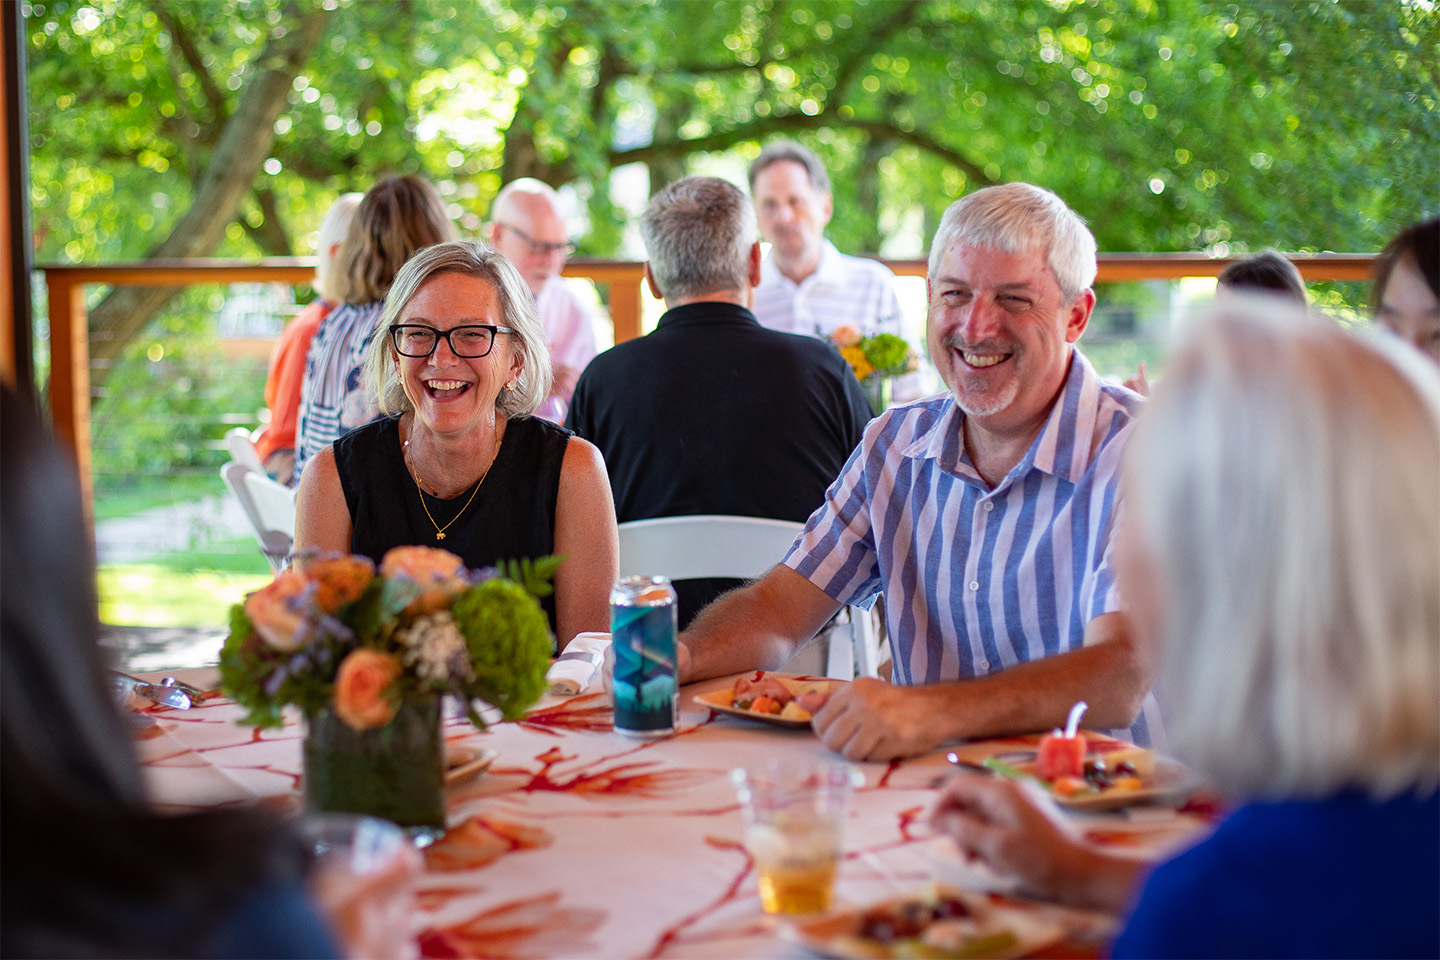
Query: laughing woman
x,y
458,365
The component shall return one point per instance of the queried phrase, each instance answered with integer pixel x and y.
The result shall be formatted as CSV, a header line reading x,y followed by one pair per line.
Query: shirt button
x,y
974,584
989,505
984,664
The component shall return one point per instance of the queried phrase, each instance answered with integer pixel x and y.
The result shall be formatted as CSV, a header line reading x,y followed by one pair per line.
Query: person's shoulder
x,y
907,422
538,428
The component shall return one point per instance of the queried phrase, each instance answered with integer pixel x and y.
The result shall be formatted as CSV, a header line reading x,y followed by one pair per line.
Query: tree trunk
x,y
229,176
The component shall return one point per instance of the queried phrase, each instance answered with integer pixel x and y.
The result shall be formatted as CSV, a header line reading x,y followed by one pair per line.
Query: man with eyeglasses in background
x,y
528,230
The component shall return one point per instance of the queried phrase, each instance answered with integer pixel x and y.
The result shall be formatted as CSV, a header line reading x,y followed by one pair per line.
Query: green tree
x,y
226,127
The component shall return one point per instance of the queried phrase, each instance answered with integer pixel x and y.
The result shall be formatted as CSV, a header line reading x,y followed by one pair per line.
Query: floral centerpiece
x,y
874,360
366,656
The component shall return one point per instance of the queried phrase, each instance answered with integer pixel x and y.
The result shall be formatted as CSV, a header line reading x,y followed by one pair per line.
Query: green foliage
x,y
169,401
887,353
509,640
1176,125
536,576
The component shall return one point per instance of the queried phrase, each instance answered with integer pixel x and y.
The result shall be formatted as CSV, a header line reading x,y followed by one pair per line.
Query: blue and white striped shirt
x,y
977,580
334,398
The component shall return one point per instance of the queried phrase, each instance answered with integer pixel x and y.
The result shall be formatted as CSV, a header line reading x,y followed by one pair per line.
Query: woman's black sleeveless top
x,y
511,517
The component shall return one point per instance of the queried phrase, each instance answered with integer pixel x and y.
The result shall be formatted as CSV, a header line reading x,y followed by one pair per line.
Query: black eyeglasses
x,y
471,341
540,248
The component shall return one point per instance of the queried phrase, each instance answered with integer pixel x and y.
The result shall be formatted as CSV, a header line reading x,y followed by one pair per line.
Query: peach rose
x,y
439,574
339,580
361,689
845,336
277,610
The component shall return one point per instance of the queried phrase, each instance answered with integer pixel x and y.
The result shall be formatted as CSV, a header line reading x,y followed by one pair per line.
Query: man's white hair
x,y
1015,217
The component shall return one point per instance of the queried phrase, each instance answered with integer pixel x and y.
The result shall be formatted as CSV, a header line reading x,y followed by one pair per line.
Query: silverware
x,y
954,758
173,694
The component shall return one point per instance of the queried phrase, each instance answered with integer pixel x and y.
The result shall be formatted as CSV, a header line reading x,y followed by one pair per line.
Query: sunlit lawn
x,y
183,589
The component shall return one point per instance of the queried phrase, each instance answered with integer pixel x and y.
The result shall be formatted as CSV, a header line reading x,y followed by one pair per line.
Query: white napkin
x,y
579,665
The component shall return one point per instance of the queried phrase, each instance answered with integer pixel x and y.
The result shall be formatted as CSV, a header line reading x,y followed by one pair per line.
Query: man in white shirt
x,y
528,230
806,285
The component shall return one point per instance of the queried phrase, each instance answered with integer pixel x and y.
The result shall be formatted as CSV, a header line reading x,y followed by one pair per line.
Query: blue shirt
x,y
1340,877
978,579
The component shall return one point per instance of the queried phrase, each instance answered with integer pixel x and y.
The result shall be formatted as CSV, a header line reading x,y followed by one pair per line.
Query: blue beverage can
x,y
642,632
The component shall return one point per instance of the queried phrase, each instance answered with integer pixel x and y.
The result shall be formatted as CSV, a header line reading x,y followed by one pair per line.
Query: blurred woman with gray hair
x,y
1281,543
459,363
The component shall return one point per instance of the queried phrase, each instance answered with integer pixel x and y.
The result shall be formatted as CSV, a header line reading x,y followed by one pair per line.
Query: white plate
x,y
463,764
720,700
834,934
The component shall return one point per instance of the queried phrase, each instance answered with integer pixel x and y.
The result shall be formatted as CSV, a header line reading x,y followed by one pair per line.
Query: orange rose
x,y
439,574
845,336
277,609
339,580
361,689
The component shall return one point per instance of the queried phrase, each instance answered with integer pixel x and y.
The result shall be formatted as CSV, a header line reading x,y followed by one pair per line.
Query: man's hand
x,y
874,720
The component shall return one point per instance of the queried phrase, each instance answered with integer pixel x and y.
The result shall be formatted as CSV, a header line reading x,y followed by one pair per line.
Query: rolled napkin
x,y
579,665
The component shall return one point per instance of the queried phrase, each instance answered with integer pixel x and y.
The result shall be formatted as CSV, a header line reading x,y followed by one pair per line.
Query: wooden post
x,y
70,375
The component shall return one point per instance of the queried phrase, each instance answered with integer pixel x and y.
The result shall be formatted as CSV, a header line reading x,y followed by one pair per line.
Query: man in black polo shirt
x,y
713,413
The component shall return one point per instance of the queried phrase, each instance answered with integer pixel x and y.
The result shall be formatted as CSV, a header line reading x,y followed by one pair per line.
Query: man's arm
x,y
872,720
757,627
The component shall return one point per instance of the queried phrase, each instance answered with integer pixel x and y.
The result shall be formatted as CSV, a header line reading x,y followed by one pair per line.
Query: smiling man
x,y
985,516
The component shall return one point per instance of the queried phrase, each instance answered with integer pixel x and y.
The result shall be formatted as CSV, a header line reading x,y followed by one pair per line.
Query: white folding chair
x,y
241,444
274,507
274,543
711,545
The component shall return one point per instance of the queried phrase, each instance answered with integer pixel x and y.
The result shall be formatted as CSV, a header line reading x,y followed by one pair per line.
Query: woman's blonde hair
x,y
517,307
1286,484
397,216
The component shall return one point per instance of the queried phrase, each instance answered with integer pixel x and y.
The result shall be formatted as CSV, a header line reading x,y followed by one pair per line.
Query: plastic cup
x,y
794,831
364,882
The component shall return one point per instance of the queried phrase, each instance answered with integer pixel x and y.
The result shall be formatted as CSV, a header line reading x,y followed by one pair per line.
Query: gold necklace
x,y
439,530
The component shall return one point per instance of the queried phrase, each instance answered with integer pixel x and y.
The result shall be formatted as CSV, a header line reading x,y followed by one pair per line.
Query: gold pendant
x,y
439,536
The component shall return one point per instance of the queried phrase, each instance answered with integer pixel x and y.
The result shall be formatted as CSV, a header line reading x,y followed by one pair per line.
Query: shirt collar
x,y
830,270
1062,447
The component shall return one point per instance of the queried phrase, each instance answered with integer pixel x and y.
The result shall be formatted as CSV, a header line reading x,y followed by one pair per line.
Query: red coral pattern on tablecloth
x,y
591,712
533,927
482,840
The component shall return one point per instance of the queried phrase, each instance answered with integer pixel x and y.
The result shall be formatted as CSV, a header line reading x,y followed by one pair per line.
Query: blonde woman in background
x,y
459,364
1282,542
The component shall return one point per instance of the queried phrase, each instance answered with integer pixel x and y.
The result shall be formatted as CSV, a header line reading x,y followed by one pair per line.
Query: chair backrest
x,y
274,506
241,445
707,545
274,543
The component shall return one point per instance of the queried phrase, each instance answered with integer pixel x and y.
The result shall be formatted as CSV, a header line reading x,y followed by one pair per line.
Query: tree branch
x,y
229,175
903,14
762,127
190,53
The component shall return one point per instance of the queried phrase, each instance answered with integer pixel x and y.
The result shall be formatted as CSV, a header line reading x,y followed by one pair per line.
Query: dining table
x,y
576,841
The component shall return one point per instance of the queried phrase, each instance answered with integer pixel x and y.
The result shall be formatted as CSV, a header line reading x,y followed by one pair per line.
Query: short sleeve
x,y
836,551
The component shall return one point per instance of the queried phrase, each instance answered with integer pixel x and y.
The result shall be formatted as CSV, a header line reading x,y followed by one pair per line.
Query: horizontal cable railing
x,y
66,284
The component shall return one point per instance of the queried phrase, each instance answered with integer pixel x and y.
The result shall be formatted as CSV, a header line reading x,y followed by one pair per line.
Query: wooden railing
x,y
69,338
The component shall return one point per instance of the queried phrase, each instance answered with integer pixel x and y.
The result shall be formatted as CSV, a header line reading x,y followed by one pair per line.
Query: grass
x,y
158,595
129,499
184,589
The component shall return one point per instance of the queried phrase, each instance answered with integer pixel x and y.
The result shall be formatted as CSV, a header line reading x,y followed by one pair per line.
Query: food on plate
x,y
1125,770
1061,756
768,694
936,923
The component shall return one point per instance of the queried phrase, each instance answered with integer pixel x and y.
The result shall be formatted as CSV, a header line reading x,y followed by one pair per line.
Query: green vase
x,y
394,772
